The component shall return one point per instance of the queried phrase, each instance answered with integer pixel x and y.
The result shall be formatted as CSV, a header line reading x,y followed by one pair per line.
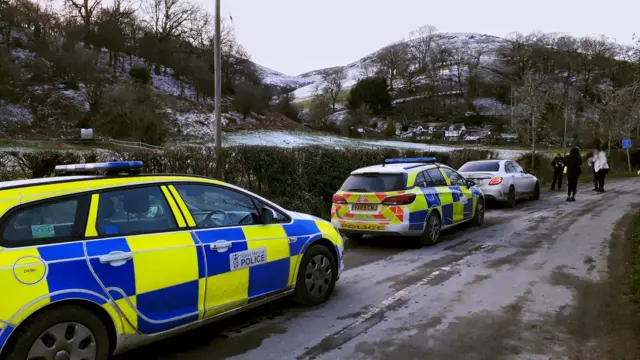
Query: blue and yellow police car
x,y
103,258
411,196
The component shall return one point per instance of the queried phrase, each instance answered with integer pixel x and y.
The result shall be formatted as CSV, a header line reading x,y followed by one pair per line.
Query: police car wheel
x,y
432,228
67,332
316,276
478,217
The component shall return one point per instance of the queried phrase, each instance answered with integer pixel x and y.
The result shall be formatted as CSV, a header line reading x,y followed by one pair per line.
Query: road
x,y
540,281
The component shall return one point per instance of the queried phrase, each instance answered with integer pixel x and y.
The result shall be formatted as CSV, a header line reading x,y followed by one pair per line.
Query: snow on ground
x,y
276,78
15,114
491,106
295,139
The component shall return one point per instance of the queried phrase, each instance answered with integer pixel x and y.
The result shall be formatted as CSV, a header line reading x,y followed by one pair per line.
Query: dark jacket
x,y
558,163
573,161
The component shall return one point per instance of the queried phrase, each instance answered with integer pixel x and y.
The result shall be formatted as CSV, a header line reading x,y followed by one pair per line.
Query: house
x,y
508,137
454,132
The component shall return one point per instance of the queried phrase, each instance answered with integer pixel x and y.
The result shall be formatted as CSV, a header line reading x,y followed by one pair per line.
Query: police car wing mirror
x,y
266,216
471,183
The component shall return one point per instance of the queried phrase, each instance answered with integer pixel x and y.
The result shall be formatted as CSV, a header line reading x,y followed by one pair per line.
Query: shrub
x,y
141,74
304,182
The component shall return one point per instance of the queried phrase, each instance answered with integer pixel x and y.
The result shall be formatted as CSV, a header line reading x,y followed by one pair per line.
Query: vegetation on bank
x,y
301,179
635,274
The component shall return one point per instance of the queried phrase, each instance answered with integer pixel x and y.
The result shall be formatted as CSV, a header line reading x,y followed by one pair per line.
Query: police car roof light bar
x,y
428,160
109,167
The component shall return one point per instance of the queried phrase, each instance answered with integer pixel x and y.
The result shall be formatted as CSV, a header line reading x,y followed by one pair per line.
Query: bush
x,y
372,92
141,74
304,182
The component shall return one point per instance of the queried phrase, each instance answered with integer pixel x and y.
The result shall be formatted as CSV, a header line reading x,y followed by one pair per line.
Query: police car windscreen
x,y
484,166
374,183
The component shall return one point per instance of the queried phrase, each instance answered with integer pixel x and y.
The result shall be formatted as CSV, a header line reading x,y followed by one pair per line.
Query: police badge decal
x,y
235,258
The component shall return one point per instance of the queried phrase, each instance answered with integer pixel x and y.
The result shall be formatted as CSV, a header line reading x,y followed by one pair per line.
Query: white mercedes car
x,y
502,180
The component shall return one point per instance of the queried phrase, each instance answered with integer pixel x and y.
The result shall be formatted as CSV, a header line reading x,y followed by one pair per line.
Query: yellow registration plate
x,y
365,207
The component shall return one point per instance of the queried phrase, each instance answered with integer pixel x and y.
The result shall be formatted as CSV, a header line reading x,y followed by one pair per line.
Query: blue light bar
x,y
428,160
113,166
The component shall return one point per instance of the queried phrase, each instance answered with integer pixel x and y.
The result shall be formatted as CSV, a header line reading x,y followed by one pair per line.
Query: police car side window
x,y
435,178
455,178
421,180
215,206
46,222
134,211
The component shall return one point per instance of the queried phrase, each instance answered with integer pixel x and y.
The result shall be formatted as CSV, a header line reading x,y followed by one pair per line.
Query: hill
x,y
485,46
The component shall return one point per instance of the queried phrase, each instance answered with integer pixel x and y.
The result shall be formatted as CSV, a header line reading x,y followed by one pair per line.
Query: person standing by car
x,y
558,167
601,167
573,161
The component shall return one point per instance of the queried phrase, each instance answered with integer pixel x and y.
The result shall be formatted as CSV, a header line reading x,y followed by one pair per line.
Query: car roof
x,y
42,181
101,182
396,168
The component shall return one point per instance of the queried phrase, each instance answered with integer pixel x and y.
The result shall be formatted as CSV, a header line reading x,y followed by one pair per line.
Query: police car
x,y
93,265
412,196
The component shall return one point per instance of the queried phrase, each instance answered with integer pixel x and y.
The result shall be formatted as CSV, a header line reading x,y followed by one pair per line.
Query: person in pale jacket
x,y
601,167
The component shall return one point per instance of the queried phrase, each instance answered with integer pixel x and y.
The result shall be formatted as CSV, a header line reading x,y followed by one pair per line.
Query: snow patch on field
x,y
295,139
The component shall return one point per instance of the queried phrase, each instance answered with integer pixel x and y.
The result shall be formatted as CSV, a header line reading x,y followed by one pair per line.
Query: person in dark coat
x,y
573,161
558,168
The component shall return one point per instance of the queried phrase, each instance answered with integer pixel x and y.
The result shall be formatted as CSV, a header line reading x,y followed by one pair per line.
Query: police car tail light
x,y
496,181
338,199
399,200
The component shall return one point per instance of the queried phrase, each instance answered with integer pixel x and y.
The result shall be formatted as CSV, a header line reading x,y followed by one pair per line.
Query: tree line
x,y
173,37
560,89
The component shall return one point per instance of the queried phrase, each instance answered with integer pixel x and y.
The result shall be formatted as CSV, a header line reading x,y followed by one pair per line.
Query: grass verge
x,y
635,272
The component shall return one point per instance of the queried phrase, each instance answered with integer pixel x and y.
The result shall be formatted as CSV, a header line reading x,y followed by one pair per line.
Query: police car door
x,y
143,254
461,196
244,260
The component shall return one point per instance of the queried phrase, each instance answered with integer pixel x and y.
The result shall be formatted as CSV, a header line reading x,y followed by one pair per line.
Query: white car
x,y
502,180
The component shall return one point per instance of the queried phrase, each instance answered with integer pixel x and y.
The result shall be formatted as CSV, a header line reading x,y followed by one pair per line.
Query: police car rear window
x,y
374,183
480,166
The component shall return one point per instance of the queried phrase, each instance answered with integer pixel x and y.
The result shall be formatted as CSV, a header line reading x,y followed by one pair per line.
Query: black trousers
x,y
595,179
557,176
600,175
572,180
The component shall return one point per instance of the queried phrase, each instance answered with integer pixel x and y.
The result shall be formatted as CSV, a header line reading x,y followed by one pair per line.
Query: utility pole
x,y
217,63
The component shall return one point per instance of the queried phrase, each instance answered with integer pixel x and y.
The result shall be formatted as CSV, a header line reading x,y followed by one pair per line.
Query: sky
x,y
296,36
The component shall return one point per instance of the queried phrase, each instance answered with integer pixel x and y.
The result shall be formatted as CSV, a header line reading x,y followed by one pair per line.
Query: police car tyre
x,y
432,229
511,197
536,192
316,276
67,332
478,216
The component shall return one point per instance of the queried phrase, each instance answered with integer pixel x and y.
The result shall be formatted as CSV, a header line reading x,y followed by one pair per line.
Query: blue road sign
x,y
626,143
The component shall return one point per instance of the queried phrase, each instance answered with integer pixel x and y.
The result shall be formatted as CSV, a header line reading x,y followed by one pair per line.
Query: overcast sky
x,y
295,36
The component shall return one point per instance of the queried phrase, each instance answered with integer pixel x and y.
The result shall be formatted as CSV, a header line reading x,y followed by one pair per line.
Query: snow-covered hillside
x,y
279,79
475,43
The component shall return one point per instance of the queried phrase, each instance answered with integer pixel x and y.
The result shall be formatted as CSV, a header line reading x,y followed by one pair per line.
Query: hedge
x,y
300,179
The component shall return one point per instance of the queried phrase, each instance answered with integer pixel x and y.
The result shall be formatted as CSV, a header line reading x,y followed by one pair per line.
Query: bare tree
x,y
168,18
333,81
618,112
390,59
532,96
422,43
86,10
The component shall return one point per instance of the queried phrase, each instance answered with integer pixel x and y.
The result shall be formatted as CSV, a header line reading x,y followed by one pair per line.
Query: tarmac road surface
x,y
540,281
